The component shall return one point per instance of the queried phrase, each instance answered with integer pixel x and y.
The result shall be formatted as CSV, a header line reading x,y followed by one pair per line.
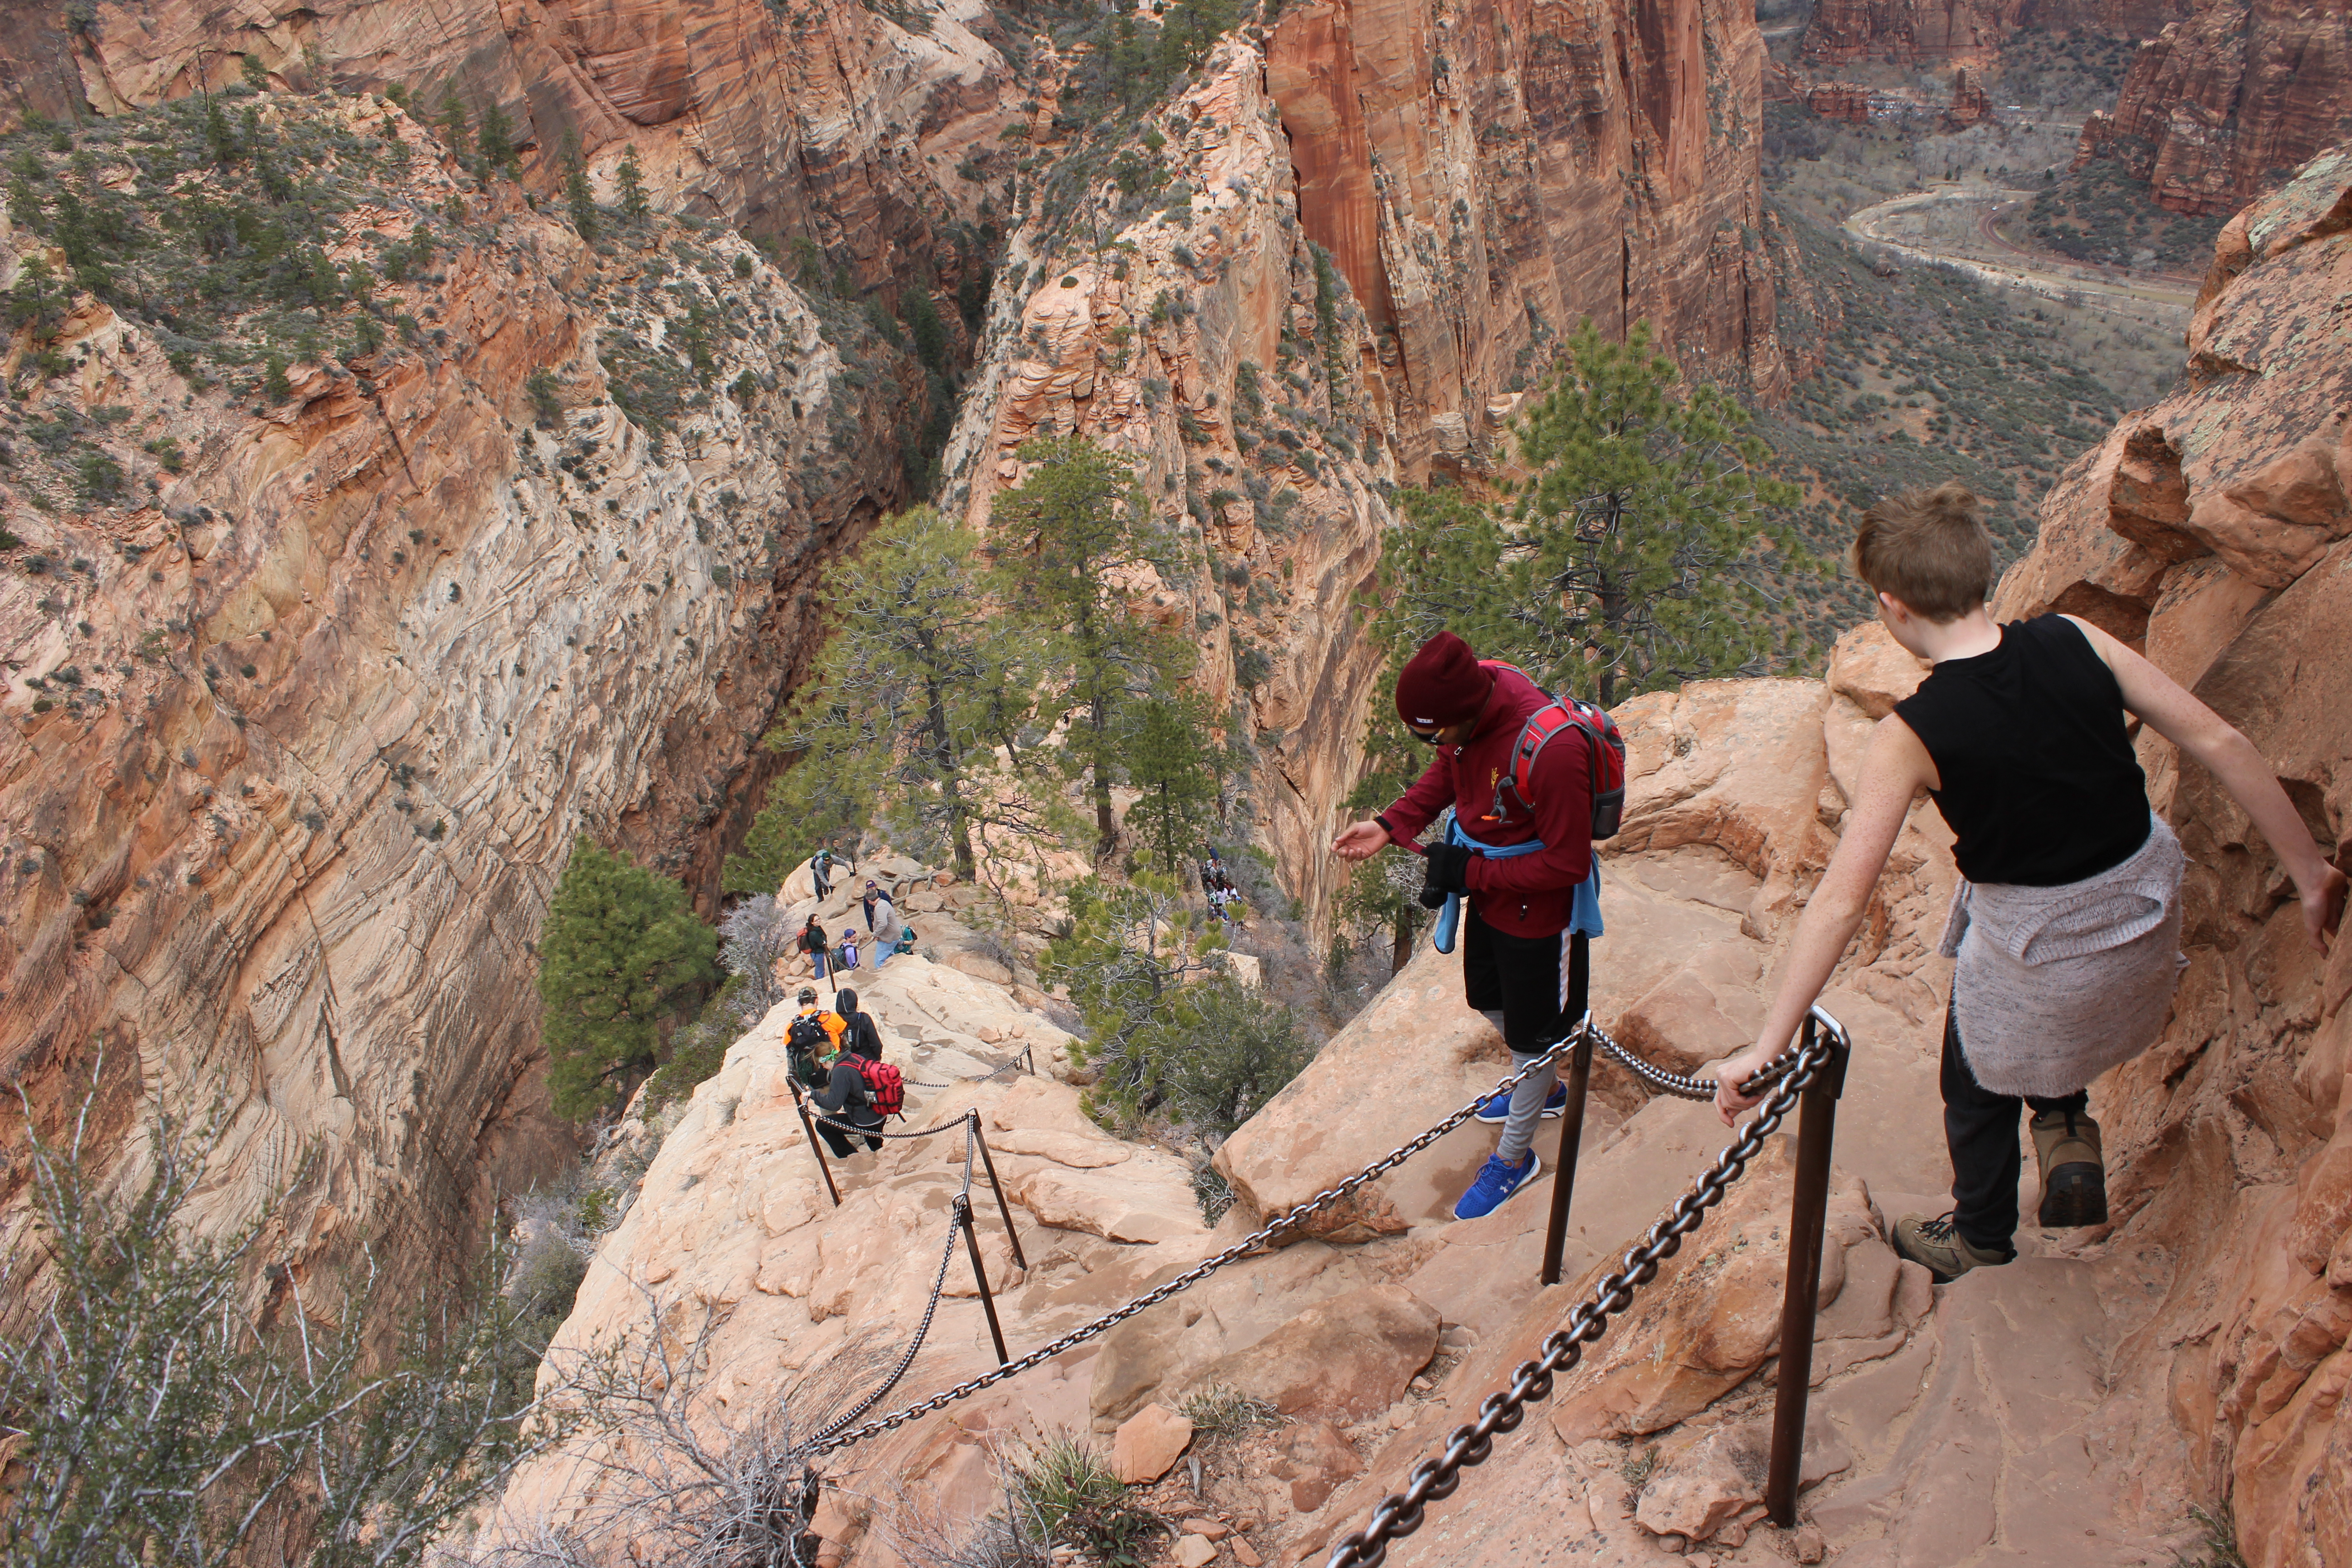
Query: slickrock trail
x,y
2069,1406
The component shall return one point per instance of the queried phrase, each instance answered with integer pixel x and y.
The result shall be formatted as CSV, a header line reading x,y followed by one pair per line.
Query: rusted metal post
x,y
1807,1212
1019,1261
1571,1121
979,1275
816,1145
1571,1136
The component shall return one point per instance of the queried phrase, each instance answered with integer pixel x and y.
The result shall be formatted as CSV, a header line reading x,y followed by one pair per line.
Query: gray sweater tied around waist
x,y
2055,985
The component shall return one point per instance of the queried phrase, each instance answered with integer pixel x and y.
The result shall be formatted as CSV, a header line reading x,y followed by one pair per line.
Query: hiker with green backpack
x,y
1532,781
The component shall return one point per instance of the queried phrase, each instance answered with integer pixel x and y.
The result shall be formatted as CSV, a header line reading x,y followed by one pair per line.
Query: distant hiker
x,y
845,959
859,1037
875,898
821,872
845,1097
1519,853
2067,926
811,942
813,1035
905,941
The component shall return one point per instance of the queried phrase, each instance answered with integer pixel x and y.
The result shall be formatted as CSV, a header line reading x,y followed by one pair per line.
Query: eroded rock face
x,y
2227,99
1912,32
801,117
344,689
2214,529
1488,176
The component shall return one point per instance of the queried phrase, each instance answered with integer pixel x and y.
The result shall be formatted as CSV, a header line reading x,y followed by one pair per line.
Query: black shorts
x,y
1534,980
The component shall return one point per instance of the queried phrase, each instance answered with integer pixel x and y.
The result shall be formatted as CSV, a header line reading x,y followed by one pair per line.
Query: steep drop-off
x,y
308,694
2223,104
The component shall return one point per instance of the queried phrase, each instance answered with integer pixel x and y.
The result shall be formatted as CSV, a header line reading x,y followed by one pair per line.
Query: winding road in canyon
x,y
1880,224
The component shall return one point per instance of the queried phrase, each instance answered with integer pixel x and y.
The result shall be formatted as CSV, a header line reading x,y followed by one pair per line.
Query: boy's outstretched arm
x,y
1893,773
2172,713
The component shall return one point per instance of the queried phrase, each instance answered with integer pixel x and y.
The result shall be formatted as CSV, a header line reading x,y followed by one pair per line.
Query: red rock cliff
x,y
2213,530
1910,31
1487,174
297,730
2223,104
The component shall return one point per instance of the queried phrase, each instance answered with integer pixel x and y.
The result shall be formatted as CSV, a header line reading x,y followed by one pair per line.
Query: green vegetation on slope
x,y
1929,376
2100,213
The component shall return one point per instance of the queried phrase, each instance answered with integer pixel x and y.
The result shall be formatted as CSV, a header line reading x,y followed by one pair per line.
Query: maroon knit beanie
x,y
1442,686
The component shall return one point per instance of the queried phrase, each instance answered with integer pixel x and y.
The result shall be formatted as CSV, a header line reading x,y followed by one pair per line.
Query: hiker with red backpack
x,y
1532,782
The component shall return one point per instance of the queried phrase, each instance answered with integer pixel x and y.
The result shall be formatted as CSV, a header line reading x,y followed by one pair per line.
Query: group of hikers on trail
x,y
2065,927
889,934
1224,898
836,1054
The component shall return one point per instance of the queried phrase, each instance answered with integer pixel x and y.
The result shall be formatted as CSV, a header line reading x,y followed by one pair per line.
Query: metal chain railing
x,y
1435,1477
930,1308
1289,1220
1682,1086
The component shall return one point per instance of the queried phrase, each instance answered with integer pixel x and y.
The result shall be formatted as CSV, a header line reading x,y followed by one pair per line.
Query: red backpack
x,y
885,1085
1604,754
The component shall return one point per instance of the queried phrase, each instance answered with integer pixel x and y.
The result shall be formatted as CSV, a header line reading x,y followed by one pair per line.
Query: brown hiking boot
x,y
1936,1244
2074,1174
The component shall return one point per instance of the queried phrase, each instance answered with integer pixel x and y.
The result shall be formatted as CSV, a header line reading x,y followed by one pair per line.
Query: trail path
x,y
1880,222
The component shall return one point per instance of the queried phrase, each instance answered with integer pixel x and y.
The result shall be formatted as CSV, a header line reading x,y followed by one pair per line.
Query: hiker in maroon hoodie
x,y
1519,865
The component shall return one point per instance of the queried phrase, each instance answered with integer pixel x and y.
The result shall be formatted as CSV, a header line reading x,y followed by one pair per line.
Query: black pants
x,y
842,1143
1531,979
1980,1127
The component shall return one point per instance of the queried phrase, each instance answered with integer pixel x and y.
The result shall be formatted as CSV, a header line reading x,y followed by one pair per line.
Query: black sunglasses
x,y
1428,740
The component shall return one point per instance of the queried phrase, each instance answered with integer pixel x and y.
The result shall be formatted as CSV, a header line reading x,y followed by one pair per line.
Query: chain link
x,y
1289,1219
1435,1477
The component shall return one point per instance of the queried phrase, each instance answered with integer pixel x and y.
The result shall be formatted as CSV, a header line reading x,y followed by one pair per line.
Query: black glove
x,y
1449,869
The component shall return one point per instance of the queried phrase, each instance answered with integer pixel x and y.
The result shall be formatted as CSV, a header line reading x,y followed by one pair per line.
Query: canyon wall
x,y
302,718
1915,32
1487,175
800,117
2213,531
2224,103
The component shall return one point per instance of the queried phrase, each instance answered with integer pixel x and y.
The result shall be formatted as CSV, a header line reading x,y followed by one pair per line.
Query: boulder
x,y
1872,670
1148,1443
1716,1477
1711,1314
1345,1358
1314,1459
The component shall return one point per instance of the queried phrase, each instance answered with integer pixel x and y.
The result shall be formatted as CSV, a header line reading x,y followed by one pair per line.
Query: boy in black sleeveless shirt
x,y
2066,927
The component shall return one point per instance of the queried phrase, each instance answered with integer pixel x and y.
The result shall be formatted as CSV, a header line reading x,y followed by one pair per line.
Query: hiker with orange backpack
x,y
1532,781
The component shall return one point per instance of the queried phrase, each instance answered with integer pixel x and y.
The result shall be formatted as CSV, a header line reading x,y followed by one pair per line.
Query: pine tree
x,y
576,193
621,952
1633,557
1075,531
454,133
1171,762
633,205
917,708
496,141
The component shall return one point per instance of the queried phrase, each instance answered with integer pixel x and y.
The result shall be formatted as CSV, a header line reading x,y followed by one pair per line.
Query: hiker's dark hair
x,y
1928,549
844,1000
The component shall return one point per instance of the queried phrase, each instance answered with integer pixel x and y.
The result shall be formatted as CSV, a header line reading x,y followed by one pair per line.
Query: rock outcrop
x,y
803,117
2223,103
1918,32
2213,531
299,727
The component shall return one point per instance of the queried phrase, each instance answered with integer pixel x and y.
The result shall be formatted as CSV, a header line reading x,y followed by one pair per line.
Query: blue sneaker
x,y
1498,1108
1496,1182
